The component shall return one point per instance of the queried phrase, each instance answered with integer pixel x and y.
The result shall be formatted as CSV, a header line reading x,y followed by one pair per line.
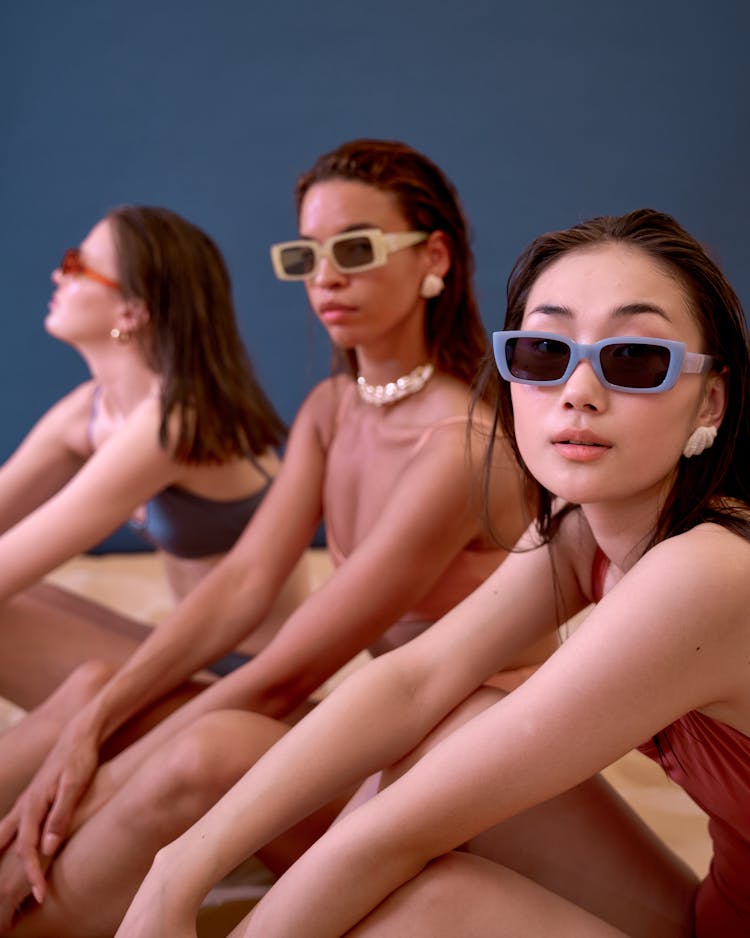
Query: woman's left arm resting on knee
x,y
659,645
375,717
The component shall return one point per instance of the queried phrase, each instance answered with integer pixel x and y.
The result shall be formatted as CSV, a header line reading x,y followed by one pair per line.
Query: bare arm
x,y
397,698
48,457
428,519
99,494
656,647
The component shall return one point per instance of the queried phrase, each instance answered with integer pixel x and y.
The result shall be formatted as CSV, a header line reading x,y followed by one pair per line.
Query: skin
x,y
406,515
547,846
71,482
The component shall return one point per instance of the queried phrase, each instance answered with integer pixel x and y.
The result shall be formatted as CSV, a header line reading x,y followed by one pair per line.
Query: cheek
x,y
529,407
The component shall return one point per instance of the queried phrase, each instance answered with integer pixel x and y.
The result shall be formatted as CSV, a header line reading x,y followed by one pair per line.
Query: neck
x,y
622,531
123,376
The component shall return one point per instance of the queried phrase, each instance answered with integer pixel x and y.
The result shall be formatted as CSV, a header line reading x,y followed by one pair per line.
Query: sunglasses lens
x,y
536,359
298,260
635,365
70,263
354,252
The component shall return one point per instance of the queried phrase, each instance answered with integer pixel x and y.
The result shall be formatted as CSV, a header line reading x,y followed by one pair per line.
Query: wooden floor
x,y
116,580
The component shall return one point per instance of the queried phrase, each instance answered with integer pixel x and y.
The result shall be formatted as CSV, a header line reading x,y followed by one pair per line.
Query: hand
x,y
41,816
15,888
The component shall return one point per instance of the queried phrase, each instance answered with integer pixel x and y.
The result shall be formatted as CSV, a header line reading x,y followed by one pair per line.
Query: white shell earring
x,y
700,439
432,286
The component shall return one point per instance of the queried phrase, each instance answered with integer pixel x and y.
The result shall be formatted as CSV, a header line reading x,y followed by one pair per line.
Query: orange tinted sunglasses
x,y
72,264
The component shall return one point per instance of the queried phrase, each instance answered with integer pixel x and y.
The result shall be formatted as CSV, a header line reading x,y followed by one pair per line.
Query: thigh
x,y
24,746
586,845
590,847
474,898
45,633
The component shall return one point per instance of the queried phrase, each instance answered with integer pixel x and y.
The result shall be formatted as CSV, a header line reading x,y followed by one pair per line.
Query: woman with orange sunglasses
x,y
172,432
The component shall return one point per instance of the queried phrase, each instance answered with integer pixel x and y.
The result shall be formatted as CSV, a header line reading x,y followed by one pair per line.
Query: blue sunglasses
x,y
626,363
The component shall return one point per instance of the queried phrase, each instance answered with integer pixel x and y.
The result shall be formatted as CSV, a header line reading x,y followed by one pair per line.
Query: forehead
x,y
608,276
337,204
99,242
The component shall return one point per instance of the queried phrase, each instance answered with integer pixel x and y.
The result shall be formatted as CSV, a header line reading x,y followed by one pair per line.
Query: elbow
x,y
288,695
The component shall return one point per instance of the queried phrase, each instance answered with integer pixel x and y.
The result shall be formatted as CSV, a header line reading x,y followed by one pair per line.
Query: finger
x,y
29,858
27,841
59,818
8,828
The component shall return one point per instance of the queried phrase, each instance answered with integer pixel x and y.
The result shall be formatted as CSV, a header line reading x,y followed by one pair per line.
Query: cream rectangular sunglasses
x,y
350,252
625,363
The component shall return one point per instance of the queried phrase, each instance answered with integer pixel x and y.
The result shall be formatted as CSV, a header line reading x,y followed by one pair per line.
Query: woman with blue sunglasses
x,y
382,451
624,391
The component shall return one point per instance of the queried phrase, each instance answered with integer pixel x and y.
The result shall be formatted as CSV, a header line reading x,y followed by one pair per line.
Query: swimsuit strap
x,y
96,403
599,568
428,431
259,466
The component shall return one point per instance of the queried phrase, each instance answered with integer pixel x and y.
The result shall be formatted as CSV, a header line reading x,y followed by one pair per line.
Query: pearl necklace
x,y
406,385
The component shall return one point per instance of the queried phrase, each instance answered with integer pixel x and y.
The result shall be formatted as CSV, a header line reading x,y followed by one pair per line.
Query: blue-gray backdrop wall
x,y
542,113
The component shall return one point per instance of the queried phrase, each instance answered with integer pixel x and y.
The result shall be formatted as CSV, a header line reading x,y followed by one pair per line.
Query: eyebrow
x,y
357,226
619,312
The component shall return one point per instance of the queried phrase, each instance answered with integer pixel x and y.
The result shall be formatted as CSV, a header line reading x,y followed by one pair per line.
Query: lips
x,y
333,306
581,437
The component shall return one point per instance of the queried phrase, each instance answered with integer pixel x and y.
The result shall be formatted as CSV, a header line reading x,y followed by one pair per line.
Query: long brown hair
x,y
454,334
192,340
706,487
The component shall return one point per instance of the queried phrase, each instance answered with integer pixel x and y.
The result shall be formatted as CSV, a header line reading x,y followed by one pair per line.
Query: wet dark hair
x,y
454,334
192,340
707,487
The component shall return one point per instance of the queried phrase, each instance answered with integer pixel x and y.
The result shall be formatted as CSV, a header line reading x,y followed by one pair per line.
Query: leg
x,y
112,851
466,895
586,845
24,746
50,641
46,633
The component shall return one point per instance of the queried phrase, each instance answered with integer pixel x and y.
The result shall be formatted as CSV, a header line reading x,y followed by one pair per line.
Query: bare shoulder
x,y
689,596
68,421
709,557
321,409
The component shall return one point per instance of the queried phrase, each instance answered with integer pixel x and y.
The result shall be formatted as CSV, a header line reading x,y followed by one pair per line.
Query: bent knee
x,y
214,751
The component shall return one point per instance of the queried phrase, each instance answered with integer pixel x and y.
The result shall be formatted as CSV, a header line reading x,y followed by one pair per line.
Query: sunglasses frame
x,y
680,360
382,246
72,265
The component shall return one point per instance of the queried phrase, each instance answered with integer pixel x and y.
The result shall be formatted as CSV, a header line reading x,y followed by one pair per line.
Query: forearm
x,y
293,779
363,851
208,623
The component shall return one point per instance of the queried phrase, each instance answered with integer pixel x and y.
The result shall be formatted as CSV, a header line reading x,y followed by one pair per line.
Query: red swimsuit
x,y
711,762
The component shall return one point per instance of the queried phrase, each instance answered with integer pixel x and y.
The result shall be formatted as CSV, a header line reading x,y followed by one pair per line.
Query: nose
x,y
583,390
327,273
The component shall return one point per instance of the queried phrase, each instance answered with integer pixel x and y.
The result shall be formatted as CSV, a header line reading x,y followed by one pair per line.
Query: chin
x,y
50,327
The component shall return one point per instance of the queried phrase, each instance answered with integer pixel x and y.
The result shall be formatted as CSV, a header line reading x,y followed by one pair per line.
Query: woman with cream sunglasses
x,y
383,452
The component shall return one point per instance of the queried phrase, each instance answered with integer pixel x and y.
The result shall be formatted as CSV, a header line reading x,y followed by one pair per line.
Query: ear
x,y
133,316
438,254
714,403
